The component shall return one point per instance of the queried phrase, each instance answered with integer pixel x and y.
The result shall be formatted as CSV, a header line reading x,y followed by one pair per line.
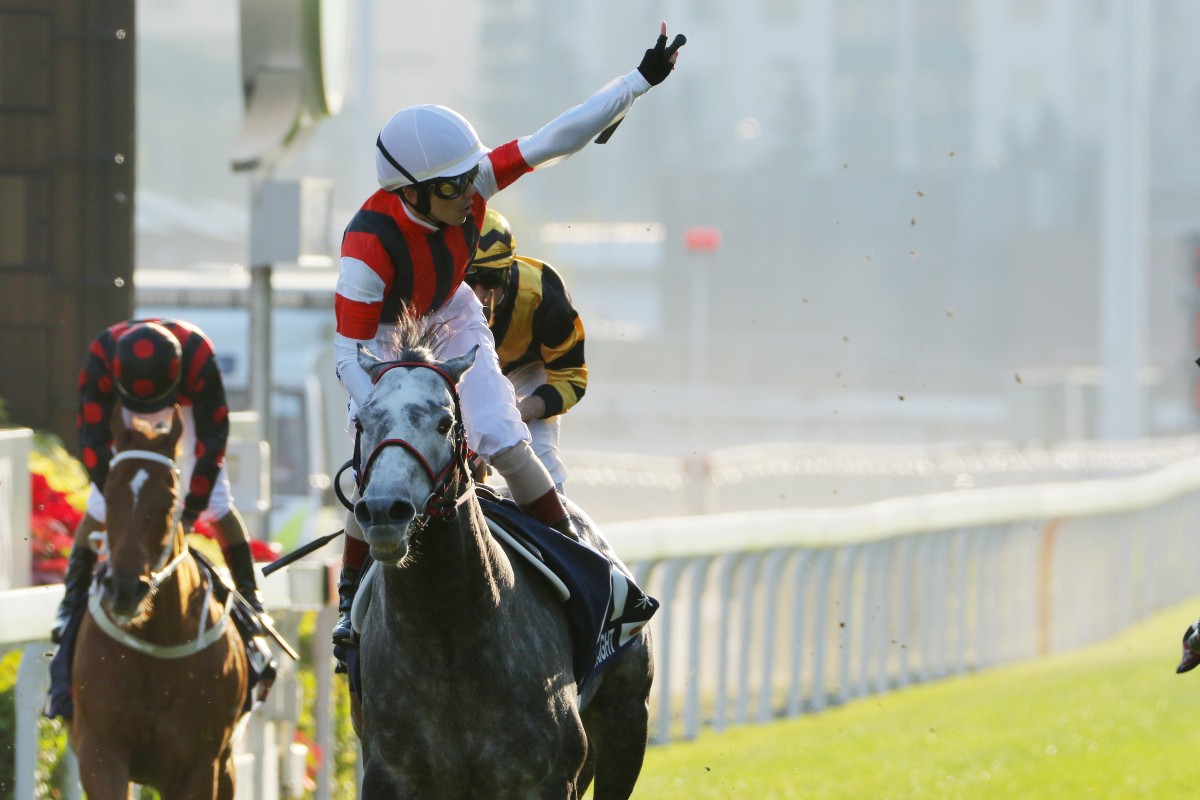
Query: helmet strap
x,y
423,204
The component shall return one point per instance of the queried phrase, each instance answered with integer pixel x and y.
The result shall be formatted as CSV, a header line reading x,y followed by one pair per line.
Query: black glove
x,y
1191,642
657,63
340,655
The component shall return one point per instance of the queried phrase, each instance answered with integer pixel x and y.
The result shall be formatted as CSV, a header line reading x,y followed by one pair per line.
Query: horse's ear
x,y
370,363
176,429
118,428
455,367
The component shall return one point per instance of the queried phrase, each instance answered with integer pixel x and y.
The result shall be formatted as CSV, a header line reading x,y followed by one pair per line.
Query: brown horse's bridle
x,y
207,634
448,483
162,568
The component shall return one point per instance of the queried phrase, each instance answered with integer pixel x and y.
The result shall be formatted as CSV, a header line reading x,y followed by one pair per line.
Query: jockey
x,y
407,249
539,336
148,367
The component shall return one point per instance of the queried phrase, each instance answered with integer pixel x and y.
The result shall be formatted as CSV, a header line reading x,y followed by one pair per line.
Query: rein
x,y
164,568
448,486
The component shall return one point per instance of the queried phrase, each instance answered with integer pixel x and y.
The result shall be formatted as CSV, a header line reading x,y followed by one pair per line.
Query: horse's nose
x,y
126,594
372,511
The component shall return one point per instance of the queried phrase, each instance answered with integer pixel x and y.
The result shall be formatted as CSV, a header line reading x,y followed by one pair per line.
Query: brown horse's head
x,y
143,508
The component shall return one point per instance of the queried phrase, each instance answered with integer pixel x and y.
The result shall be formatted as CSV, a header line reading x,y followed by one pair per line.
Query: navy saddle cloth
x,y
606,610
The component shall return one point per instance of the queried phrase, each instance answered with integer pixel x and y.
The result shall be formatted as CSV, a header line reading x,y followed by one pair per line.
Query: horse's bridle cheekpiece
x,y
448,484
162,568
207,634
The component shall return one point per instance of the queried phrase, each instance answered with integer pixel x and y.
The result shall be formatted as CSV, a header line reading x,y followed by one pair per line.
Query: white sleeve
x,y
571,130
357,283
489,405
355,380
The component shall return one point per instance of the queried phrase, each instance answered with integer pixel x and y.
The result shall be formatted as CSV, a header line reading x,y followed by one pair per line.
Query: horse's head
x,y
411,446
143,505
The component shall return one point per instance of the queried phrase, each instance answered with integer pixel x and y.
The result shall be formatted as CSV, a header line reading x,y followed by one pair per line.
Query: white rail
x,y
775,613
778,613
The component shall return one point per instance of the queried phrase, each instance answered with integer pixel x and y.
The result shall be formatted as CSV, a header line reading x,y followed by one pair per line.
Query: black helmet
x,y
494,254
147,366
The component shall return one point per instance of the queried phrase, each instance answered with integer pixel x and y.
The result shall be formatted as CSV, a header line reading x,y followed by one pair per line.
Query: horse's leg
x,y
226,776
201,783
380,783
588,771
103,775
617,724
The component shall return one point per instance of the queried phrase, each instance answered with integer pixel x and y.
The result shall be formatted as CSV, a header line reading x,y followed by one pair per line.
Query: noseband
x,y
207,634
448,483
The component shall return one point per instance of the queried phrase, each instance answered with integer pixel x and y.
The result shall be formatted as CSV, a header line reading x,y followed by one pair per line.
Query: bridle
x,y
449,483
163,569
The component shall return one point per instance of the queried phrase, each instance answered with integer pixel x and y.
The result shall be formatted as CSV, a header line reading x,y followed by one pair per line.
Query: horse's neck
x,y
175,600
458,571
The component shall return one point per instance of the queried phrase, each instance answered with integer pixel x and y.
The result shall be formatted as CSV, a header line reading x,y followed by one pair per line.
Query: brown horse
x,y
160,673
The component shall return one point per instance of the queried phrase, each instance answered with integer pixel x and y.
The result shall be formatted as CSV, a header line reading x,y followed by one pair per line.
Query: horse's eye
x,y
444,426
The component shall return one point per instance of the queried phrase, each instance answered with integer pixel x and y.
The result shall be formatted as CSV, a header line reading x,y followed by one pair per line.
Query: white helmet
x,y
423,142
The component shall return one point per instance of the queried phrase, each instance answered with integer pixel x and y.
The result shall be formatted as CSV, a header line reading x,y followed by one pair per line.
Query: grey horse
x,y
468,688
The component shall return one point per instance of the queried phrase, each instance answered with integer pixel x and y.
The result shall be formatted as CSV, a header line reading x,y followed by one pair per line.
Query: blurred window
x,y
781,10
866,20
12,222
944,19
1028,10
1026,85
942,92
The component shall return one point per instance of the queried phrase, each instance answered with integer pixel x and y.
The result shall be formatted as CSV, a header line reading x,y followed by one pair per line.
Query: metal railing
x,y
774,614
777,613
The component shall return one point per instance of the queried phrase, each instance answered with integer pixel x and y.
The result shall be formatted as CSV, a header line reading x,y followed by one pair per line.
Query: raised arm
x,y
571,130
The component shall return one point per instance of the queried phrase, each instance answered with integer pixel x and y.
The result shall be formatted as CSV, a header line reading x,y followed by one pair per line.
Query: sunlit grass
x,y
1110,721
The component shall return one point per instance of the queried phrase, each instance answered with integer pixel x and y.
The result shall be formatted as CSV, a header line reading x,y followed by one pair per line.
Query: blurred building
x,y
908,193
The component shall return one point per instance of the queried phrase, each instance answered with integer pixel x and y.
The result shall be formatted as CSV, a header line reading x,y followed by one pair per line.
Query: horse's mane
x,y
412,340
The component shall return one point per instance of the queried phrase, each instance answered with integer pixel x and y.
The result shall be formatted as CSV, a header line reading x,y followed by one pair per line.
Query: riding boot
x,y
241,568
343,632
549,510
566,528
75,586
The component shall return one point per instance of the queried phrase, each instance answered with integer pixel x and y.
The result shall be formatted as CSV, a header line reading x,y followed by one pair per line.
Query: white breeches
x,y
488,402
544,432
220,502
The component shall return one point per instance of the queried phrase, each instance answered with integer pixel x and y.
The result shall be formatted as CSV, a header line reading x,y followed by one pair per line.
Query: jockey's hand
x,y
339,655
477,466
531,407
659,60
1191,649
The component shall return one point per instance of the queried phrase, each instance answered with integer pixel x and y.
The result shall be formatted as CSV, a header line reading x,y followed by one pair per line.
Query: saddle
x,y
606,610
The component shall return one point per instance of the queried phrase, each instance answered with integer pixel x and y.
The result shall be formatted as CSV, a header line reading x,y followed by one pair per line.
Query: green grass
x,y
1110,721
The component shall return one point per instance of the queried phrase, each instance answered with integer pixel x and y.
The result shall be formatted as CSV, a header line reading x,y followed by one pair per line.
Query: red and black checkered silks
x,y
200,386
146,366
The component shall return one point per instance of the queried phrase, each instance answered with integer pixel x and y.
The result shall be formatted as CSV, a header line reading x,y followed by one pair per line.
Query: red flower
x,y
265,551
52,524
